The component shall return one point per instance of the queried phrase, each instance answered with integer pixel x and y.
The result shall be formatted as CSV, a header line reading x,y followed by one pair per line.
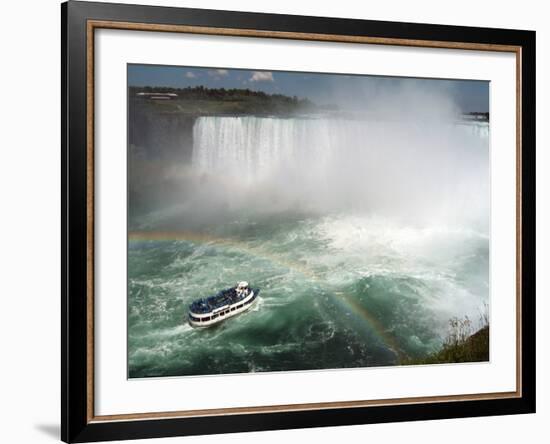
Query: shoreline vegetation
x,y
460,345
202,101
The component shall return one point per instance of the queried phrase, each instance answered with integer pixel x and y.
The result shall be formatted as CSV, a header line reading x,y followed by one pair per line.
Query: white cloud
x,y
190,75
218,73
262,76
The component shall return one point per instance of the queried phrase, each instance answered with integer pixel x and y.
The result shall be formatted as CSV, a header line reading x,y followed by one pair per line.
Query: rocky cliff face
x,y
160,144
161,136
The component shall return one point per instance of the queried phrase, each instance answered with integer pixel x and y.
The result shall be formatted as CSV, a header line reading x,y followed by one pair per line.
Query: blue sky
x,y
346,91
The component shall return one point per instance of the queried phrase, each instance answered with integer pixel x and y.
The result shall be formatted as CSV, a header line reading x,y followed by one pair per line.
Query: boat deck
x,y
209,304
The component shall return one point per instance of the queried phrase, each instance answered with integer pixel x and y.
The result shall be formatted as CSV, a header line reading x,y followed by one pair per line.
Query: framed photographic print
x,y
276,221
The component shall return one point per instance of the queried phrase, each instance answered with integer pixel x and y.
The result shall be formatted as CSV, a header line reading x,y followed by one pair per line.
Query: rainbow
x,y
345,301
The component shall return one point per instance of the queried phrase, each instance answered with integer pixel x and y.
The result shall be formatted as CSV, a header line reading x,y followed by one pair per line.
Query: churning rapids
x,y
365,238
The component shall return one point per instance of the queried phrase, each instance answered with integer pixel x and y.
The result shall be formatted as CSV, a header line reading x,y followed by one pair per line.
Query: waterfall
x,y
254,147
361,162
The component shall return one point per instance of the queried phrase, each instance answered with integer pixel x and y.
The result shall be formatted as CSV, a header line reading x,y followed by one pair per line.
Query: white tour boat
x,y
227,303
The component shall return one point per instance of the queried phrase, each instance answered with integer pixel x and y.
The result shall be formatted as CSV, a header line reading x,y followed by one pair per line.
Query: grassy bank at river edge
x,y
474,348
